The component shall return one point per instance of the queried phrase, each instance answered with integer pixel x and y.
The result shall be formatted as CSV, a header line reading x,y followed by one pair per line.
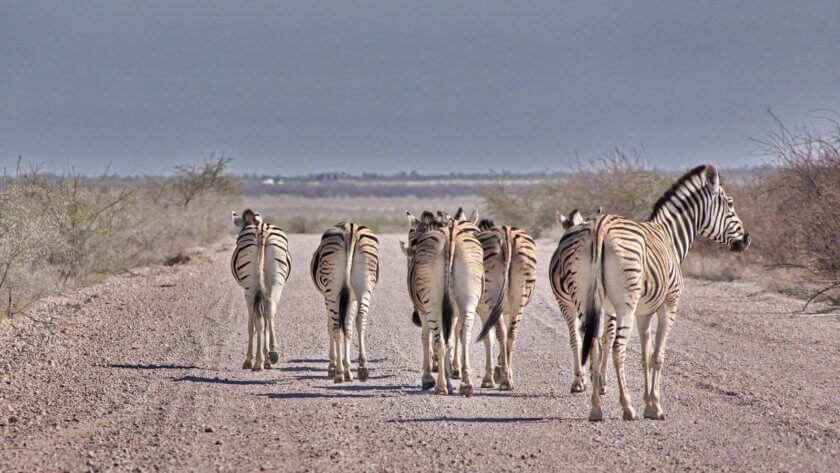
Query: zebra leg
x,y
427,380
507,377
444,386
271,352
457,349
608,340
249,357
579,378
619,351
361,324
664,320
487,381
504,339
497,371
643,326
466,388
333,351
595,413
259,331
346,338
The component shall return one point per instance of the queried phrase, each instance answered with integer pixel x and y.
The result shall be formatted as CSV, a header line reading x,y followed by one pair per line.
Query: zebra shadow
x,y
368,387
151,366
298,395
484,420
310,377
216,380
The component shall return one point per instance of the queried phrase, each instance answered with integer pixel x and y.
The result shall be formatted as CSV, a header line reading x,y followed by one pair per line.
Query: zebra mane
x,y
666,197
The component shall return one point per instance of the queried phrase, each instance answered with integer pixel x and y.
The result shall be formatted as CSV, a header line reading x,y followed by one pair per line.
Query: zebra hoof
x,y
428,383
331,372
466,390
630,415
273,357
578,387
442,391
456,374
246,365
595,415
363,374
348,376
505,385
267,365
257,367
497,374
603,390
434,368
654,413
339,377
487,382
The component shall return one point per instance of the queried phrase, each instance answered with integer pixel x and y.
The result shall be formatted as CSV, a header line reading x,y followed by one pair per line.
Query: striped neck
x,y
680,211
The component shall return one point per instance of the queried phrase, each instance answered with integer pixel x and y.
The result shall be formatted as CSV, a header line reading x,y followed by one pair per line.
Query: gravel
x,y
142,372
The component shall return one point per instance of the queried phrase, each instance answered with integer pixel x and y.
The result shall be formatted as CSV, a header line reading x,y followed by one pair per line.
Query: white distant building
x,y
268,182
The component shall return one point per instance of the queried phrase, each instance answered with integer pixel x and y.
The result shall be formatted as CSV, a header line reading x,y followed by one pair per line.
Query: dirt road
x,y
143,373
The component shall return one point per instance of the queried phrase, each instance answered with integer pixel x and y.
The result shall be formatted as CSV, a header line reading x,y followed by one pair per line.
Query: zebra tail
x,y
499,306
344,295
448,310
259,297
415,318
592,307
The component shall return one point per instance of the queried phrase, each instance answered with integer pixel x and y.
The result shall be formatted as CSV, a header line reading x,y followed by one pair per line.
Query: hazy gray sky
x,y
386,86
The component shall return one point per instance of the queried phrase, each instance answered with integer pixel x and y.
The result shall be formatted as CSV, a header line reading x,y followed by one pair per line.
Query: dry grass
x,y
66,231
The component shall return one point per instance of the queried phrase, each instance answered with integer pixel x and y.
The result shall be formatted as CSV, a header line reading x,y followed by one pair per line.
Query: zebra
x,y
445,274
510,266
620,267
261,264
345,269
579,373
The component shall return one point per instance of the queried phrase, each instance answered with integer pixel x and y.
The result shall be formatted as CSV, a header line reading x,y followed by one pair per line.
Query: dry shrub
x,y
621,183
64,231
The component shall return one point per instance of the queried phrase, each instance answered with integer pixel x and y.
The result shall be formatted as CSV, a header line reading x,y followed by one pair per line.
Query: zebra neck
x,y
680,226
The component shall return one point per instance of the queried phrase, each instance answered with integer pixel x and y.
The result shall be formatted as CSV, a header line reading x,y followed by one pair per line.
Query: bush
x,y
620,183
62,231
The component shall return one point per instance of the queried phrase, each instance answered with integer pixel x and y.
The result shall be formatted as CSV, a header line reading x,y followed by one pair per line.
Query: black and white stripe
x,y
629,270
261,265
345,269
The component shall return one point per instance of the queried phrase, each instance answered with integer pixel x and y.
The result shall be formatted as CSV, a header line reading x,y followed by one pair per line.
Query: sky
x,y
389,86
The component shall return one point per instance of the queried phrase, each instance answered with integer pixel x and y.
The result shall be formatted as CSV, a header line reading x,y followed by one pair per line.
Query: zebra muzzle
x,y
742,244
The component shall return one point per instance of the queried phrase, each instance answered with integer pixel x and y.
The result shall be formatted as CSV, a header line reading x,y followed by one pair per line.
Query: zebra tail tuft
x,y
592,310
415,318
343,307
259,300
448,312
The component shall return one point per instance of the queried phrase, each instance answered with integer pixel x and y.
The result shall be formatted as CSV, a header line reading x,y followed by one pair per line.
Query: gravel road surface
x,y
142,373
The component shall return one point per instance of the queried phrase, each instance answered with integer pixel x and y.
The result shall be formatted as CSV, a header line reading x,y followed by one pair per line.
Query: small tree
x,y
212,175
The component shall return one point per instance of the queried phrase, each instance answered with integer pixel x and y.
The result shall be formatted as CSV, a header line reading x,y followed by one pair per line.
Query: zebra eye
x,y
730,204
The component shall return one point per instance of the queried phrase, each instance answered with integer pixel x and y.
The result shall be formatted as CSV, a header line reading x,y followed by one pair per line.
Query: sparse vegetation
x,y
64,231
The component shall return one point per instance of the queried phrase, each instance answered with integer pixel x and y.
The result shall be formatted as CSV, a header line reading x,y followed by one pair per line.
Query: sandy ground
x,y
143,373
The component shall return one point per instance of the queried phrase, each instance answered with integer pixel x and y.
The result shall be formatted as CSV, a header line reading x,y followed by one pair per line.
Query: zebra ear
x,y
474,217
412,220
237,220
575,218
407,250
459,215
561,219
443,217
713,178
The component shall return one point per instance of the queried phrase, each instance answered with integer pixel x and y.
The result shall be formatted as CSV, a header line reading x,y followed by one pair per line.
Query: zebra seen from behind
x,y
510,267
261,264
629,270
445,282
345,269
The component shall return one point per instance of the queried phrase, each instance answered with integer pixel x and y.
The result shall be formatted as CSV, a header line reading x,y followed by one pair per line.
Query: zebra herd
x,y
606,272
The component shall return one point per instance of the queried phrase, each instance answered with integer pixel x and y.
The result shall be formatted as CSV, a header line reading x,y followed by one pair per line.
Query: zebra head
x,y
575,218
417,227
719,222
249,217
